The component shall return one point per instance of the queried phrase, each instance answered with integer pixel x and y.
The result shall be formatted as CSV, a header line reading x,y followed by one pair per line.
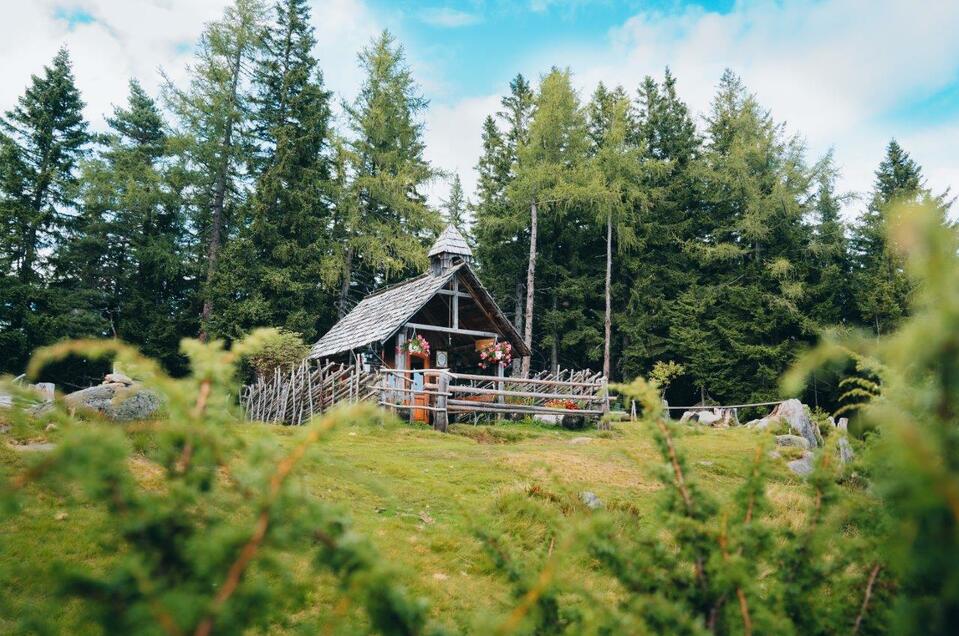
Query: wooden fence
x,y
293,396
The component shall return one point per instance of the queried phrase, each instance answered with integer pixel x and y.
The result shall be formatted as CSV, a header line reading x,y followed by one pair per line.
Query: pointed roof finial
x,y
451,241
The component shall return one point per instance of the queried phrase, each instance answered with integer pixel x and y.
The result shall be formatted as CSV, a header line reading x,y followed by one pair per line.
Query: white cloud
x,y
135,38
454,140
832,70
448,18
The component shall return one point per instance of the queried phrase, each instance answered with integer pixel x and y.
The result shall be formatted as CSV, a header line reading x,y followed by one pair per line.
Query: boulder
x,y
792,440
802,466
591,500
846,453
843,424
116,401
794,413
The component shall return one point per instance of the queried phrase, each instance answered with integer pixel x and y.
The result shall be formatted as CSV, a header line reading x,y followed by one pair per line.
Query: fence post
x,y
500,371
441,415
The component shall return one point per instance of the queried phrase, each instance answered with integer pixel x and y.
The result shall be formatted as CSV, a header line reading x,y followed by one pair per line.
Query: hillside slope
x,y
420,495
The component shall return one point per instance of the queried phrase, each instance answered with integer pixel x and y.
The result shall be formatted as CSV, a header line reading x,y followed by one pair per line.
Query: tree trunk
x,y
219,197
554,339
342,308
518,306
608,321
530,283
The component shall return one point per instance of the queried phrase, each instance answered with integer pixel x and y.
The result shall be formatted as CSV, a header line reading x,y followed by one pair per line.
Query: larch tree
x,y
274,270
214,120
386,172
551,172
44,138
618,166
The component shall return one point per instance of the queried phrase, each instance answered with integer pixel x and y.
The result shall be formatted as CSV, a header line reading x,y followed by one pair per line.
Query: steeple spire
x,y
449,248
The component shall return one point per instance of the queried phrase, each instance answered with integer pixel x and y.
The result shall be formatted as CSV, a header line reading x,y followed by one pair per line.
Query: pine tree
x,y
388,239
214,121
44,138
882,288
273,273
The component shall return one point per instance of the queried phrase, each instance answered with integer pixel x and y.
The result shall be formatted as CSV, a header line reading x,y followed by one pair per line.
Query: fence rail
x,y
295,395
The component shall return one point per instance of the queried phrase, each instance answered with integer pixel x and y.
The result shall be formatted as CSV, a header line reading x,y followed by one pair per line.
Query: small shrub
x,y
274,349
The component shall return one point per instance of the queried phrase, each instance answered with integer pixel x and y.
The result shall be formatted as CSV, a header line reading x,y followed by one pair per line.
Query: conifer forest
x,y
619,231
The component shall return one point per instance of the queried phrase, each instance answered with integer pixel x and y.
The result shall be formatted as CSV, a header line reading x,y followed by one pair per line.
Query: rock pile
x,y
118,398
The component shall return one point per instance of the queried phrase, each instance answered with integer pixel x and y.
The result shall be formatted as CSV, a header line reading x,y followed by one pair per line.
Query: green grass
x,y
419,495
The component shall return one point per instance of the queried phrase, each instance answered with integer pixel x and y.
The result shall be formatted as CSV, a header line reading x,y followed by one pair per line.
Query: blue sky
x,y
847,75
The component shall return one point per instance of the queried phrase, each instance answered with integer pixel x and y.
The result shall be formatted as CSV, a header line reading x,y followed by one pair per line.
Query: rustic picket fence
x,y
293,396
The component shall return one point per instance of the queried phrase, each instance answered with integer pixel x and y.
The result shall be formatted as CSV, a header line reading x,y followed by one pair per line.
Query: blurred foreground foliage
x,y
188,563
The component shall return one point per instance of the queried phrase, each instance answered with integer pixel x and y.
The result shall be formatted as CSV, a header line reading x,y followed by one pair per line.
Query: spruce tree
x,y
44,138
882,288
273,273
741,323
388,239
830,297
455,207
502,233
653,275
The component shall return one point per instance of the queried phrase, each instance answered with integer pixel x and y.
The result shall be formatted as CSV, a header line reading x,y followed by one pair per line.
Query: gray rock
x,y
792,440
794,413
802,466
591,500
843,424
762,424
117,378
846,454
116,401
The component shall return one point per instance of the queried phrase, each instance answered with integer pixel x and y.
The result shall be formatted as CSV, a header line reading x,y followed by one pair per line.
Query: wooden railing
x,y
293,396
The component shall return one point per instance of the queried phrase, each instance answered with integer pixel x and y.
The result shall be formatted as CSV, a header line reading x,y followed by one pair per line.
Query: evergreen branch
x,y
866,597
534,593
740,595
249,550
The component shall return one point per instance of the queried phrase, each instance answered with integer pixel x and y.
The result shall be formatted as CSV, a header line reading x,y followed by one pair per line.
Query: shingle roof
x,y
451,241
381,314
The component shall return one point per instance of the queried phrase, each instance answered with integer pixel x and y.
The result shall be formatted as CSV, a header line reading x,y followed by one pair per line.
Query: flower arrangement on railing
x,y
569,405
500,353
418,344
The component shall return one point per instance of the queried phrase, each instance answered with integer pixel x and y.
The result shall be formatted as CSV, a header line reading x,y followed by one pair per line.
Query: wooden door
x,y
419,362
